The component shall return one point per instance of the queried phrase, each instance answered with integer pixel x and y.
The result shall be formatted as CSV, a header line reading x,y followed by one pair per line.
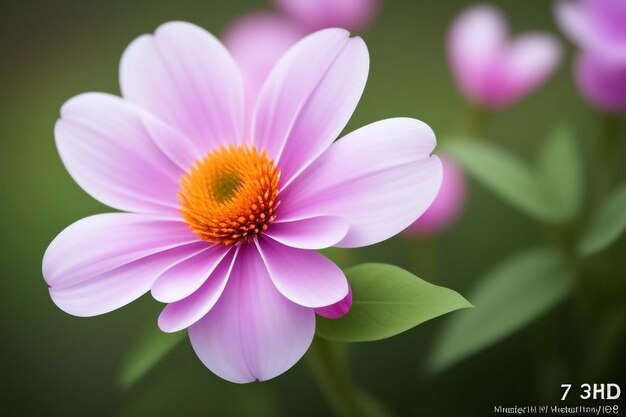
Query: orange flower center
x,y
230,196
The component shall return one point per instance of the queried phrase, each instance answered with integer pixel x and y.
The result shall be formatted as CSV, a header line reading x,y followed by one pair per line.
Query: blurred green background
x,y
54,364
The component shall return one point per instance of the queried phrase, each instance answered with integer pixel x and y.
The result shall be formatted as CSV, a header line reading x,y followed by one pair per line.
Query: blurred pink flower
x,y
492,70
256,42
223,225
447,205
319,14
597,26
602,82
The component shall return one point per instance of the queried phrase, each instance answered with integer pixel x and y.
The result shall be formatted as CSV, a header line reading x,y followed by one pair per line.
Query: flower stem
x,y
607,145
327,362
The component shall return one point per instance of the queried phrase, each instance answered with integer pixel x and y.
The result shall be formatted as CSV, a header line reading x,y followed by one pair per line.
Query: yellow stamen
x,y
231,195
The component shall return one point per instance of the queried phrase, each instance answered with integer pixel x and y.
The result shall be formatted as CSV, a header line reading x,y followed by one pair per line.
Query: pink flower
x,y
492,70
597,26
319,14
223,219
602,82
447,205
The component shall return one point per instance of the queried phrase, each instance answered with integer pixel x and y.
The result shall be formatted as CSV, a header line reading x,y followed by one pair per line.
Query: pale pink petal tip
x,y
491,68
184,76
107,148
602,83
337,310
103,262
303,276
448,204
319,14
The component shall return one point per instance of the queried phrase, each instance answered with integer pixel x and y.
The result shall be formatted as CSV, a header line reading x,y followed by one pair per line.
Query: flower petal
x,y
116,288
448,204
309,97
337,310
476,38
108,150
602,83
256,41
185,278
99,294
182,314
303,276
101,243
185,76
529,61
253,332
312,233
572,20
319,14
596,27
380,178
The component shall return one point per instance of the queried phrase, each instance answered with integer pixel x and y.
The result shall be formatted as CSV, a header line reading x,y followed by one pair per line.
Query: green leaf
x,y
503,174
387,300
606,225
513,294
550,192
147,351
560,173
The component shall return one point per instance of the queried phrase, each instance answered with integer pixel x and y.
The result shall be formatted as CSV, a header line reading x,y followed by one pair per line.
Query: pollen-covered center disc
x,y
230,195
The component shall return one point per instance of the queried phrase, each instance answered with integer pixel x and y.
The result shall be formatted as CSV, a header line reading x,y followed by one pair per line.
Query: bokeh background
x,y
54,364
